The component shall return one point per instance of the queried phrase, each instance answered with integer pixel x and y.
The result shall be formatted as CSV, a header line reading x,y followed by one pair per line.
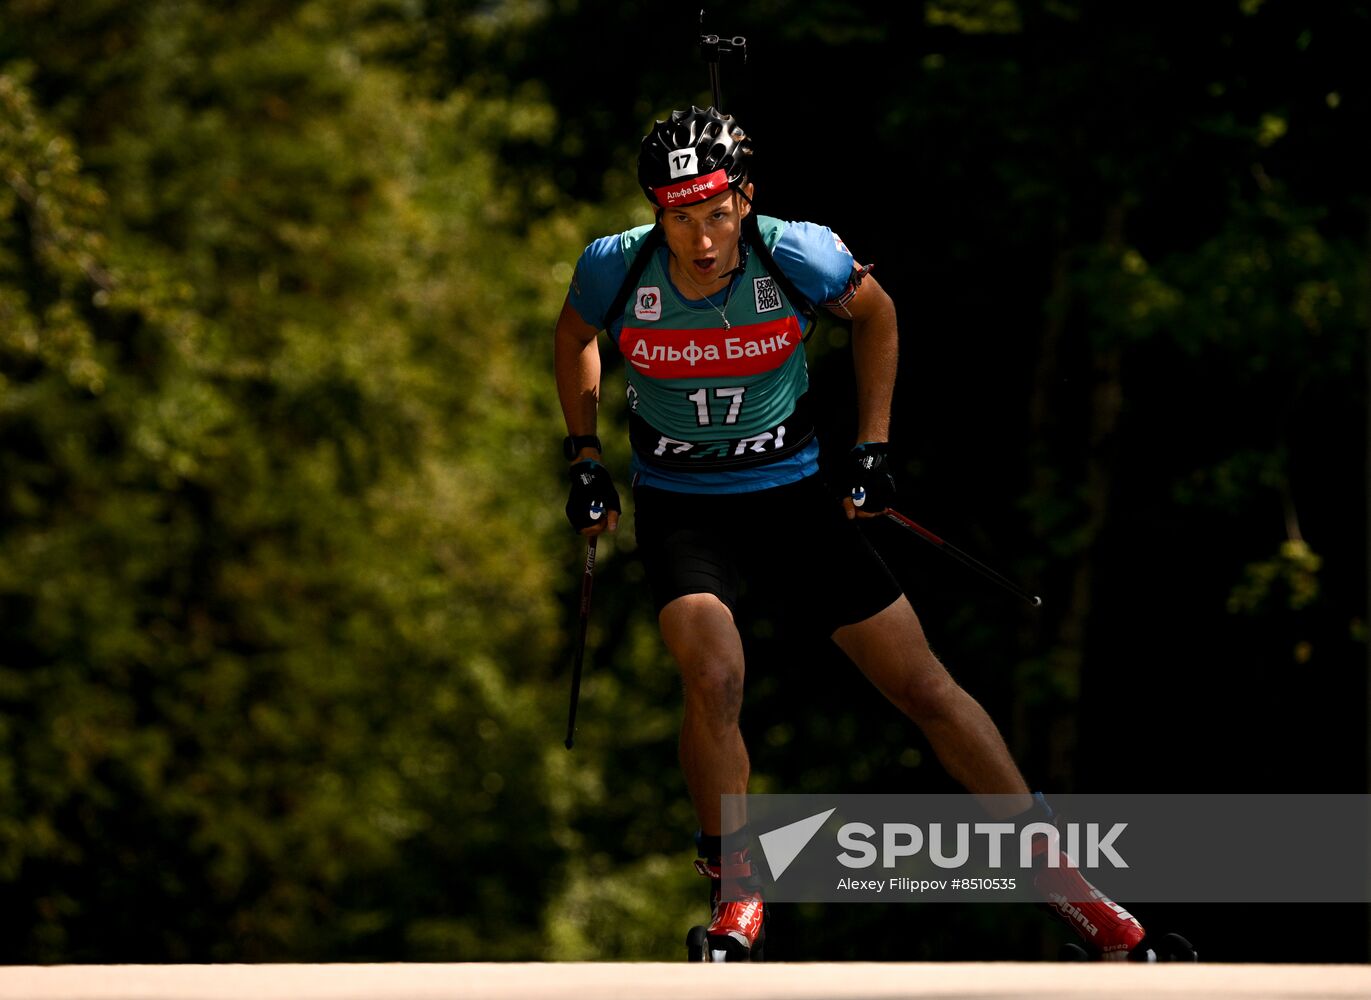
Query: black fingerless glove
x,y
592,495
867,480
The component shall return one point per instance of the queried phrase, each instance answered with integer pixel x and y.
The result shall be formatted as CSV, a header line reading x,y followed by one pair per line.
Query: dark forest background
x,y
286,593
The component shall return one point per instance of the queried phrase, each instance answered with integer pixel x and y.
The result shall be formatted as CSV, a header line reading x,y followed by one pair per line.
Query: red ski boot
x,y
737,929
1108,931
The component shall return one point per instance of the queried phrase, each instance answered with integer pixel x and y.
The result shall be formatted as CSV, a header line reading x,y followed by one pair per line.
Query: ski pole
x,y
962,557
586,578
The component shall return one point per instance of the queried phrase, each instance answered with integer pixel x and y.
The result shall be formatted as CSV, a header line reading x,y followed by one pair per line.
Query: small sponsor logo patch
x,y
842,247
648,303
765,294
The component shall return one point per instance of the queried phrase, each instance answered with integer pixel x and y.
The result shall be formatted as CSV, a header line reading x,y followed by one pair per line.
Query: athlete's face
x,y
703,238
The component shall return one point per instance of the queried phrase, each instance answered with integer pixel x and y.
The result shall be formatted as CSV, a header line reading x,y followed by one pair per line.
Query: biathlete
x,y
708,307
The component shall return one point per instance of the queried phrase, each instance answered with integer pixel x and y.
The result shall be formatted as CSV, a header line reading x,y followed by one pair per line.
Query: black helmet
x,y
693,156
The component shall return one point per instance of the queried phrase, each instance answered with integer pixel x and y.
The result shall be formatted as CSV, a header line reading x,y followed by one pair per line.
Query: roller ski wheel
x,y
697,944
1167,948
1174,948
700,948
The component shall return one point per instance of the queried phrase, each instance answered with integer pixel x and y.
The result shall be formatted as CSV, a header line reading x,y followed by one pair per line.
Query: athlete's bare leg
x,y
700,634
891,649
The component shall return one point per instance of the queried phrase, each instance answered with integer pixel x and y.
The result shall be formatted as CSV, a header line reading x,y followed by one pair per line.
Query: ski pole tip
x,y
567,742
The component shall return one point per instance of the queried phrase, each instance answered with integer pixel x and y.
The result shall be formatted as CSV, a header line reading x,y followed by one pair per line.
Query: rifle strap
x,y
752,233
641,259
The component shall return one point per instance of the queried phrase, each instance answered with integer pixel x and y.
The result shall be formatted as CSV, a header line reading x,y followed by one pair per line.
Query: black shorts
x,y
793,543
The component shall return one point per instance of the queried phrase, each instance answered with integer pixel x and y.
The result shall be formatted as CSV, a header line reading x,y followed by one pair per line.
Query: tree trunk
x,y
1054,713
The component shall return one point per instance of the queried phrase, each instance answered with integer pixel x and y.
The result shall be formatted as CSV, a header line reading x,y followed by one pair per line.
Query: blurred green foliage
x,y
285,590
278,578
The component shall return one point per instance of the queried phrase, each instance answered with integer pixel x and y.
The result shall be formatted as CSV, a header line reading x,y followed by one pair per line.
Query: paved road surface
x,y
592,981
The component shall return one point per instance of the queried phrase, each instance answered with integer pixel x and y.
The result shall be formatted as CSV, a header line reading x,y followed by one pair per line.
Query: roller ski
x,y
1108,932
1167,948
737,926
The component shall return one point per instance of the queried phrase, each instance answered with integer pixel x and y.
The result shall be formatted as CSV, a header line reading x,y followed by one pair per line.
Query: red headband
x,y
689,191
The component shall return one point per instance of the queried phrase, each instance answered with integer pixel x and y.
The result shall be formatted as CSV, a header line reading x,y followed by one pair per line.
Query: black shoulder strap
x,y
635,271
798,300
754,239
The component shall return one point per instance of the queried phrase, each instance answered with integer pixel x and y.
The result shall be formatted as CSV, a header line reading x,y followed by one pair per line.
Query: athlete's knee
x,y
926,691
714,687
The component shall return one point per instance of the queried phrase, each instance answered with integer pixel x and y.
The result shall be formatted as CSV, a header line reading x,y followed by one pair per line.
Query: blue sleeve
x,y
598,275
815,259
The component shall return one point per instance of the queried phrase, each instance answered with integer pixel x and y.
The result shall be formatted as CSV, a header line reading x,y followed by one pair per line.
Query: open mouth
x,y
704,265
